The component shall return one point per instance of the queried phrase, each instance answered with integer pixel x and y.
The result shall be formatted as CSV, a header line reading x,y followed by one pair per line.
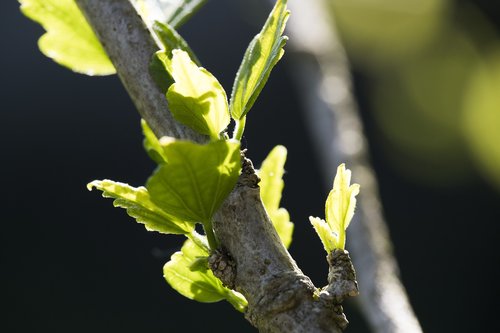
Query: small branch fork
x,y
281,298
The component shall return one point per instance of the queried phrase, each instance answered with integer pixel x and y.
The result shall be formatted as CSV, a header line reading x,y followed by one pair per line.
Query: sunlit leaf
x,y
199,285
138,204
326,235
264,51
69,40
340,204
152,144
196,179
161,65
197,99
271,186
178,12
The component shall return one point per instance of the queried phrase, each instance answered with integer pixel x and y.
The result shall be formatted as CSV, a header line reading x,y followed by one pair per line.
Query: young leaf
x,y
69,40
326,235
196,98
161,64
261,56
196,179
171,40
199,285
139,205
271,186
179,11
340,204
152,144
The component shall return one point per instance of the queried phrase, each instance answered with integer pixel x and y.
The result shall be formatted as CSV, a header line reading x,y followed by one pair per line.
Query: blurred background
x,y
427,79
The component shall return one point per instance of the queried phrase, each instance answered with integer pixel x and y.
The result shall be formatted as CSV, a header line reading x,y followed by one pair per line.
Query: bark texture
x,y
323,78
281,298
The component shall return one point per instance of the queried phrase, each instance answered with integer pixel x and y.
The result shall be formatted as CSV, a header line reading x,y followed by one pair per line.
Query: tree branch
x,y
322,73
281,298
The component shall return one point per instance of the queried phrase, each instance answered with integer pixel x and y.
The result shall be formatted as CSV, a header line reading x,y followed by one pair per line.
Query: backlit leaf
x,y
152,144
264,51
196,179
340,204
199,285
326,235
138,204
69,40
197,99
271,186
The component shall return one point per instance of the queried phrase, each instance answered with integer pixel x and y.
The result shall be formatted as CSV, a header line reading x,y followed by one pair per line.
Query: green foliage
x,y
198,283
339,211
271,185
138,204
196,178
264,51
197,99
69,40
179,11
152,145
161,65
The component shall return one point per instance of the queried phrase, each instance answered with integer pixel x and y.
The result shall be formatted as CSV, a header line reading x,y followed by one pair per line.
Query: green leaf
x,y
326,235
152,144
69,40
196,98
161,64
199,285
173,12
138,204
265,50
340,204
179,11
171,40
271,186
196,179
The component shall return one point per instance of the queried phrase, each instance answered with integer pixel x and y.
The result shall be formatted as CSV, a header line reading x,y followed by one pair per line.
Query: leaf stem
x,y
239,128
209,232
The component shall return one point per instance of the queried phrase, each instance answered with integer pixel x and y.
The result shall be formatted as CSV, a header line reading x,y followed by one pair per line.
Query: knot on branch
x,y
341,277
223,266
278,295
248,175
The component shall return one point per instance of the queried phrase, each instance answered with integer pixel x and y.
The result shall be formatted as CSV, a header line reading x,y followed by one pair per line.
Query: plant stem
x,y
209,232
239,128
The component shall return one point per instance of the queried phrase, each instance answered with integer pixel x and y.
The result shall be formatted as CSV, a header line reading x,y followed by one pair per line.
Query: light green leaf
x,y
161,65
283,225
179,11
152,144
341,202
138,204
69,40
326,235
265,50
171,40
197,99
196,179
271,186
199,285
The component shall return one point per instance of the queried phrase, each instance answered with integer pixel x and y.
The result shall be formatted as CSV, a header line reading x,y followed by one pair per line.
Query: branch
x,y
324,80
281,298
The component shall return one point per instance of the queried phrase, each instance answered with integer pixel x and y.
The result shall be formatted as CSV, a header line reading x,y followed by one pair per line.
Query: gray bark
x,y
323,78
281,298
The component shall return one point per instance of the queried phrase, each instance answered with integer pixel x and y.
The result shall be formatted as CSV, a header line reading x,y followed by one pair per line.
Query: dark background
x,y
72,263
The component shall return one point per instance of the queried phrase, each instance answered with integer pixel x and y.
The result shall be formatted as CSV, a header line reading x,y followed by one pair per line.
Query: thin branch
x,y
280,297
322,74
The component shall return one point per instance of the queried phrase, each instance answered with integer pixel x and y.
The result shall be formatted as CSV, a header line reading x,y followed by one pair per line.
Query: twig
x,y
322,74
280,297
